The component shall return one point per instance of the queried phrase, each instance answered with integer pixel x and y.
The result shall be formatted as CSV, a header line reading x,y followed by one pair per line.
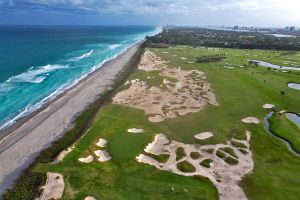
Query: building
x,y
292,28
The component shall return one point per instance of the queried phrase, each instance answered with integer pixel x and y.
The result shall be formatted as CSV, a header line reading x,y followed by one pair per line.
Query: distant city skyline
x,y
257,13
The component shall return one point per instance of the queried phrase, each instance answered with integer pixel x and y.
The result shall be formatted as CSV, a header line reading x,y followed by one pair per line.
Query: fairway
x,y
241,91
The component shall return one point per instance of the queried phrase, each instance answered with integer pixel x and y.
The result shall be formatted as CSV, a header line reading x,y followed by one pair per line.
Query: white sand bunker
x,y
54,187
268,106
63,154
282,112
102,143
190,93
103,155
203,136
90,198
224,171
87,159
228,67
135,130
251,120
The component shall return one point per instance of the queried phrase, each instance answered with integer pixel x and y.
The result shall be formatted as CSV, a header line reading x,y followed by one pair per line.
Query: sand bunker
x,y
268,106
156,147
251,120
135,130
203,136
282,112
189,93
90,198
88,159
102,143
63,154
228,67
103,155
54,187
224,171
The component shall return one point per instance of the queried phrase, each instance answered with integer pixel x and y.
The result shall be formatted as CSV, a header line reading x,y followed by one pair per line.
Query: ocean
x,y
37,63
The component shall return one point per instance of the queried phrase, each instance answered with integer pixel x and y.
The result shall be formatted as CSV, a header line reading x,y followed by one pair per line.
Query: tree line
x,y
224,39
210,58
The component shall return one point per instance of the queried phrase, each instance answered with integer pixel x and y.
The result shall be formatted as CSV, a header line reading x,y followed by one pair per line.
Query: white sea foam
x,y
113,46
4,87
82,56
35,75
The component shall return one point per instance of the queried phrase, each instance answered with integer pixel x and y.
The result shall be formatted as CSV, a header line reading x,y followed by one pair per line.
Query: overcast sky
x,y
272,13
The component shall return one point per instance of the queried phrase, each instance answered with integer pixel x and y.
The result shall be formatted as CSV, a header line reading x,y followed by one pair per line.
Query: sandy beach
x,y
21,143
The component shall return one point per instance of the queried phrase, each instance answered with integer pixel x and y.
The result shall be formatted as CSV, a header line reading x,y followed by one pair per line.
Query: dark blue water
x,y
39,62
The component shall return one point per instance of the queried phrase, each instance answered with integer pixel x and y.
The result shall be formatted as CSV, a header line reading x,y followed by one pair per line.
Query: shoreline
x,y
6,130
9,125
48,123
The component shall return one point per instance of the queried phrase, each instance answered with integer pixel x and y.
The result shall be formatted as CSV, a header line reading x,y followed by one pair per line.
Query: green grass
x,y
286,129
241,92
180,153
206,163
122,177
231,161
185,166
195,155
221,154
243,151
160,158
229,151
238,144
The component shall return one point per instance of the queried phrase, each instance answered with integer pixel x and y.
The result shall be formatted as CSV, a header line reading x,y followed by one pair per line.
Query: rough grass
x,y
206,163
231,160
238,144
180,153
229,151
195,155
243,151
221,154
160,158
185,166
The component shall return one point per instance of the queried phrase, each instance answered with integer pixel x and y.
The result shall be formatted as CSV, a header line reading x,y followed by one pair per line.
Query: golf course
x,y
241,89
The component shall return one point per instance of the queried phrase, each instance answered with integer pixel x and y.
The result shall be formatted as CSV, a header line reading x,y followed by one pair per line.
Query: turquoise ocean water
x,y
37,63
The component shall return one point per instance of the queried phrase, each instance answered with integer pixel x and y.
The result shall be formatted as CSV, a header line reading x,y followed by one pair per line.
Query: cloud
x,y
162,9
150,6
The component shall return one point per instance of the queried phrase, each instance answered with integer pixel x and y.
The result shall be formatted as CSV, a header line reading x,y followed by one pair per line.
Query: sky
x,y
258,13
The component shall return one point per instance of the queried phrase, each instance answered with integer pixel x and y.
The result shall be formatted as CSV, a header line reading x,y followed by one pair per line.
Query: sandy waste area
x,y
189,93
223,174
